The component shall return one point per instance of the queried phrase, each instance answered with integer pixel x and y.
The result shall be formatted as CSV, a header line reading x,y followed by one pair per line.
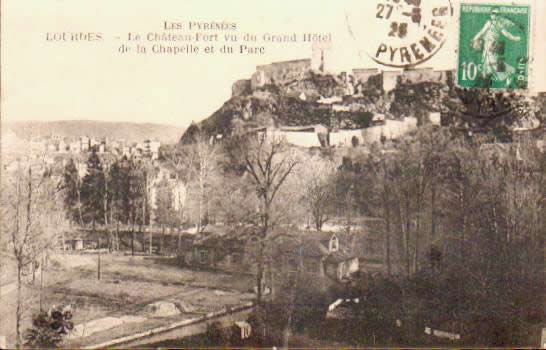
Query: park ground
x,y
128,285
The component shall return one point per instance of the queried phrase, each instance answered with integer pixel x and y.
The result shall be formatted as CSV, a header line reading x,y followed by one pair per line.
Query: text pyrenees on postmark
x,y
494,46
400,33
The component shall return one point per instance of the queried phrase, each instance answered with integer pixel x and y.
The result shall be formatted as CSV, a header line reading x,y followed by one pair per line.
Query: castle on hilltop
x,y
285,72
280,73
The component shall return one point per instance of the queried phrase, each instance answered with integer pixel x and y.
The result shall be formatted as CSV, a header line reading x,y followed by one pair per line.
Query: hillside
x,y
131,132
10,141
300,102
343,102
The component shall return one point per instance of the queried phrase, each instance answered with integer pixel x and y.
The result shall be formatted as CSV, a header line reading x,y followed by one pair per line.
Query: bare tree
x,y
269,163
32,217
175,157
462,184
427,150
379,167
316,177
164,212
236,201
72,185
200,160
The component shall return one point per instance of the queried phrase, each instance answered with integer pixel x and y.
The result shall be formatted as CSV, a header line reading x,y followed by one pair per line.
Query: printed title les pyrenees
x,y
227,26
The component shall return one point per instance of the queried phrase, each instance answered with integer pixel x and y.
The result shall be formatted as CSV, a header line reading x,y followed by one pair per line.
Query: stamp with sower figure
x,y
494,46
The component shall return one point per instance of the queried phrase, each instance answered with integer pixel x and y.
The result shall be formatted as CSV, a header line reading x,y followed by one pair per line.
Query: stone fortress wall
x,y
280,72
284,72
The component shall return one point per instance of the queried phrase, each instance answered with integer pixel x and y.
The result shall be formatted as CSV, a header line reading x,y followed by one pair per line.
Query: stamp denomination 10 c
x,y
494,46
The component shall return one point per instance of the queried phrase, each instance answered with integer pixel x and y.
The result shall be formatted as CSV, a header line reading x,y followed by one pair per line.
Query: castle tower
x,y
321,56
390,79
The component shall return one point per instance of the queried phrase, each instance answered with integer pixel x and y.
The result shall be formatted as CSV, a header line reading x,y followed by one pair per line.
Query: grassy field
x,y
126,286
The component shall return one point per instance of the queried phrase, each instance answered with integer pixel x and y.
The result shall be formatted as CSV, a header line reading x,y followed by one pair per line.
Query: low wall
x,y
179,329
344,138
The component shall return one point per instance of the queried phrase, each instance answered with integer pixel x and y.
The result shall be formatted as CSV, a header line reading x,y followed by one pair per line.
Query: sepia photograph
x,y
288,174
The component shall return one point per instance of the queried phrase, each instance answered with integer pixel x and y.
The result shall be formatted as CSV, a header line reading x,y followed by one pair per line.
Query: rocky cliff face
x,y
315,99
346,102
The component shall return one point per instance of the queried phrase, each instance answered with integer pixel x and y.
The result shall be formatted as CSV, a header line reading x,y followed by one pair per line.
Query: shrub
x,y
49,328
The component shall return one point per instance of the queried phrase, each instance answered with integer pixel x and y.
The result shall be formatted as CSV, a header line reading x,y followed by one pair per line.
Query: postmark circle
x,y
399,33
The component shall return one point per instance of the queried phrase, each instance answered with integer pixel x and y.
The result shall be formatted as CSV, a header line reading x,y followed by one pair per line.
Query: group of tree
x,y
31,225
106,192
449,202
128,193
464,217
463,230
111,193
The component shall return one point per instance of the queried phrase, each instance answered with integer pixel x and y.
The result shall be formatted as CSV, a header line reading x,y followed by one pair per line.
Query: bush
x,y
49,328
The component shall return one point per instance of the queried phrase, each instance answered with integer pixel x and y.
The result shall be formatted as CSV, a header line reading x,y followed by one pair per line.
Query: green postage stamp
x,y
494,46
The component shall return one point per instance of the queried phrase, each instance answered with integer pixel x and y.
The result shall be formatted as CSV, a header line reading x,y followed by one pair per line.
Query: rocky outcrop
x,y
161,309
293,103
240,88
291,94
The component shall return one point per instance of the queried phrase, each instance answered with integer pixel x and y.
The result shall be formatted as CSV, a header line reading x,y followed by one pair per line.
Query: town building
x,y
84,141
63,147
75,147
151,148
93,143
37,145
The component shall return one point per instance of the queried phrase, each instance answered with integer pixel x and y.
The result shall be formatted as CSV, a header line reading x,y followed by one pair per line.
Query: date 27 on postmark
x,y
494,46
399,33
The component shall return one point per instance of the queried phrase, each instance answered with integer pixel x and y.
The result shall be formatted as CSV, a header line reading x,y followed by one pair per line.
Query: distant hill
x,y
9,140
11,145
131,132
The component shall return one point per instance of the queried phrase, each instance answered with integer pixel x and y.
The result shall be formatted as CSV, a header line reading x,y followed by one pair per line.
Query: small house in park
x,y
184,246
340,265
222,247
322,253
204,251
75,244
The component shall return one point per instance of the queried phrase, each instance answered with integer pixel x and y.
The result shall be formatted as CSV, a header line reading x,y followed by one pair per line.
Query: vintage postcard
x,y
273,174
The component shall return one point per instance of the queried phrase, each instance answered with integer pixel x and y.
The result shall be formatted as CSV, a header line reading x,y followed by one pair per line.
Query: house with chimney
x,y
324,254
226,248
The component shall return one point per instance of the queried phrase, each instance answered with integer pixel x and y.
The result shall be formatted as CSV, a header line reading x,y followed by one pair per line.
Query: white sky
x,y
57,81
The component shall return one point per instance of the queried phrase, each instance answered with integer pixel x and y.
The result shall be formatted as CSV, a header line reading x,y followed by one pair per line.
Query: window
x,y
334,244
203,256
342,270
355,141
